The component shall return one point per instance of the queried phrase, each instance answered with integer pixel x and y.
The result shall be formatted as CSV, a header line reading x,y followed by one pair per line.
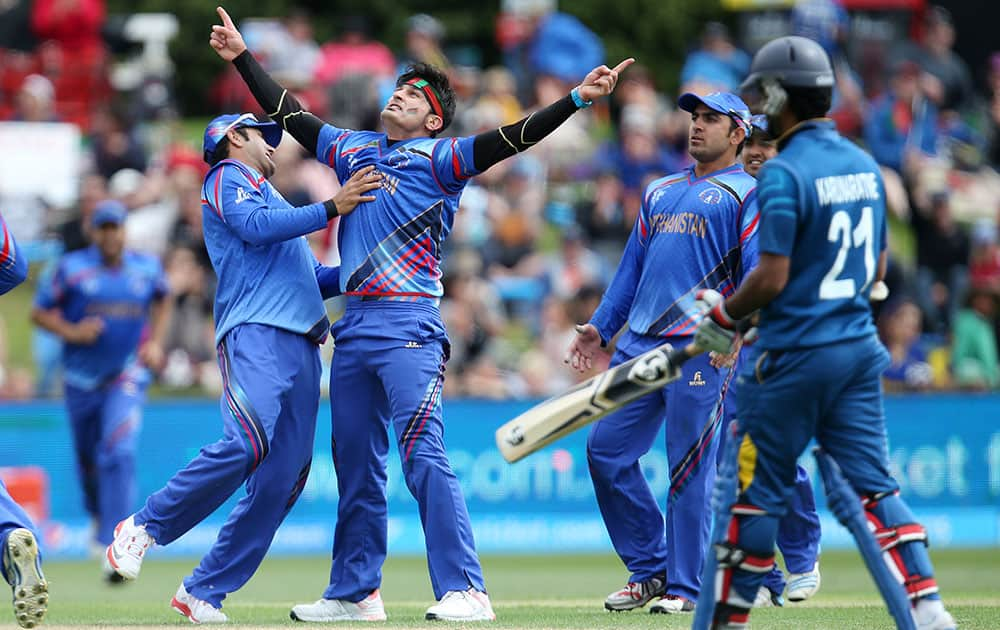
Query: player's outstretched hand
x,y
586,344
355,189
151,354
601,80
225,39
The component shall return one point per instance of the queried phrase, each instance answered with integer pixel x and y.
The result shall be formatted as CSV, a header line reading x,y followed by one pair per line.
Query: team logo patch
x,y
241,195
697,381
711,195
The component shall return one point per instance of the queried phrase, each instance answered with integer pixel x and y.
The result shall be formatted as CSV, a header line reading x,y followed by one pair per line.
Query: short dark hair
x,y
811,102
733,125
439,81
222,149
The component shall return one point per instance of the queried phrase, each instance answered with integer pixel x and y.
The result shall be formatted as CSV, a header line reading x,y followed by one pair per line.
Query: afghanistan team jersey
x,y
13,264
267,273
692,233
390,248
82,286
822,204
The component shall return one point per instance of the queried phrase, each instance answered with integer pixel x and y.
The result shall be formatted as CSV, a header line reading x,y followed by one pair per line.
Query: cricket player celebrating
x,y
110,307
391,343
269,322
21,559
799,531
815,369
696,230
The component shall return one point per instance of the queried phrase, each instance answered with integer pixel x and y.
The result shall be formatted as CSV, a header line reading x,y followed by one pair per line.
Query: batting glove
x,y
717,331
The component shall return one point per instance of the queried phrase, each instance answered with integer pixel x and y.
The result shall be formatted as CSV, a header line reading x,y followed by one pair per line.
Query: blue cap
x,y
723,102
759,121
108,211
217,129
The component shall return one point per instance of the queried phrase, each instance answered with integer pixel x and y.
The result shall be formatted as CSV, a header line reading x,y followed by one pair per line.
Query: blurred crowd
x,y
538,237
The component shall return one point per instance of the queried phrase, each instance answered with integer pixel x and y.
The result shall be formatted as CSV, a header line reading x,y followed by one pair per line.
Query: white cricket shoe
x,y
765,598
672,605
636,594
24,573
327,610
802,586
469,605
930,614
126,552
196,610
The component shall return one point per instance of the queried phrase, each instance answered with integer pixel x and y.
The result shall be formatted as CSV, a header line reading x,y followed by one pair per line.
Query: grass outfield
x,y
527,592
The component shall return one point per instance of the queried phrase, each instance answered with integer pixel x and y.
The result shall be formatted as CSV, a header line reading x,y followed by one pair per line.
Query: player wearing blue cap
x,y
269,322
391,343
815,369
21,558
110,308
696,230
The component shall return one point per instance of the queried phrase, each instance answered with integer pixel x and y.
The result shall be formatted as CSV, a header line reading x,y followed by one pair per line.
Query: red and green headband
x,y
429,93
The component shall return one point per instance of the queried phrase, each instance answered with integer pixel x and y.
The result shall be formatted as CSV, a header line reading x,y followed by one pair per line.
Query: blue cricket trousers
x,y
12,516
269,405
786,398
388,370
106,423
631,513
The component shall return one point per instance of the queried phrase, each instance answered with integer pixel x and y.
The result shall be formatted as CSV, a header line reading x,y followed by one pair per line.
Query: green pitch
x,y
527,591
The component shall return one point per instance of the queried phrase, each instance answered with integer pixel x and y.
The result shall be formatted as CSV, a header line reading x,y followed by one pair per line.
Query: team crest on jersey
x,y
711,195
89,286
655,197
399,159
697,381
137,284
241,195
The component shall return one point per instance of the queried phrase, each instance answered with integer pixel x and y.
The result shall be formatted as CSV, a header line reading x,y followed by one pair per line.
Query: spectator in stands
x,y
942,262
356,71
945,79
637,154
984,259
15,26
899,328
293,56
993,111
35,101
717,66
902,125
74,25
974,350
189,345
114,143
574,266
74,234
500,91
424,34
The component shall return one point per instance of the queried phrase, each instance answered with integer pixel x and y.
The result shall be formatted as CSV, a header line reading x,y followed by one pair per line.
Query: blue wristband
x,y
578,100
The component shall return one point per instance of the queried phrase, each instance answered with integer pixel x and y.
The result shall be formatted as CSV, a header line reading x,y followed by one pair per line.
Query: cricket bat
x,y
560,415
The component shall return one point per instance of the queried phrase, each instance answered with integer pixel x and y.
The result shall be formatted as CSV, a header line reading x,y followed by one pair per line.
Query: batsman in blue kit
x,y
815,369
799,530
696,230
392,347
110,307
269,322
21,558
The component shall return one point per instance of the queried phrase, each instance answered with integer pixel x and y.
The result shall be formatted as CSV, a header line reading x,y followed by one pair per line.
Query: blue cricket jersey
x,y
692,233
13,264
390,248
822,204
82,286
255,239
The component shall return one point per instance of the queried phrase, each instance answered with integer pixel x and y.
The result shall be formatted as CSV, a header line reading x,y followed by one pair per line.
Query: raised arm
x,y
281,106
493,146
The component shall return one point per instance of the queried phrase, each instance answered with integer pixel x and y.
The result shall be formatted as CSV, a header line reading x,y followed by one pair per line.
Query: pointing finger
x,y
226,20
624,64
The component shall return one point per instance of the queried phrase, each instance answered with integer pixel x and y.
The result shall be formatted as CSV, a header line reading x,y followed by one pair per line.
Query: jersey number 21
x,y
833,286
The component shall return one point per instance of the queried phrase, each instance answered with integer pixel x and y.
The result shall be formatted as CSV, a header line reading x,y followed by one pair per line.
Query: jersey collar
x,y
811,123
735,166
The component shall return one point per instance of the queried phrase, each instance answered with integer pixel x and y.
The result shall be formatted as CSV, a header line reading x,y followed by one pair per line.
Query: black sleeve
x,y
493,146
281,106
